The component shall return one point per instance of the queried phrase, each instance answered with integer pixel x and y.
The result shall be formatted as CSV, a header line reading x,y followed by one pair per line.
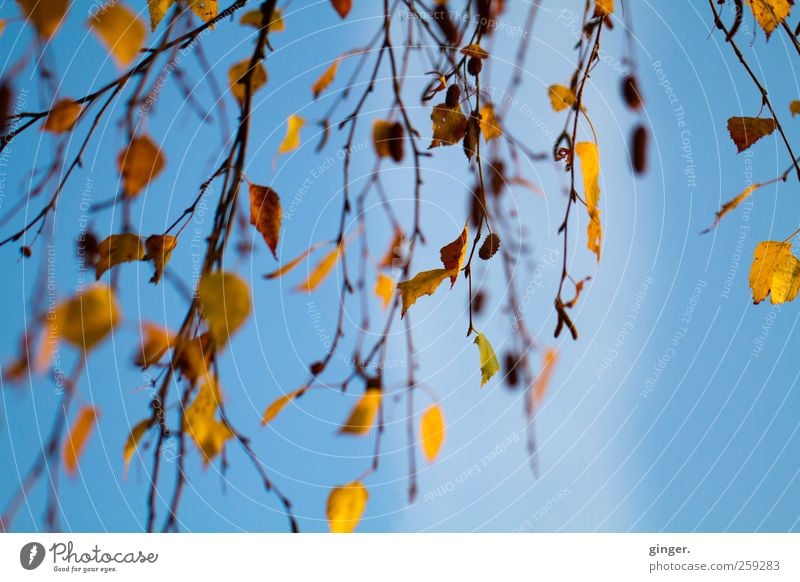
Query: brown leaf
x,y
449,125
490,246
116,249
139,164
158,249
342,7
266,215
452,254
745,131
472,135
63,116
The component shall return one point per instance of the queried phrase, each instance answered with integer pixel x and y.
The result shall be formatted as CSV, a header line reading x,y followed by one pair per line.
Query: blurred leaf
x,y
291,141
490,127
46,17
63,116
346,505
139,164
549,360
154,343
362,417
116,249
200,422
88,317
237,75
136,434
432,430
322,269
384,288
325,79
276,407
224,300
603,8
342,7
474,51
254,18
120,29
77,437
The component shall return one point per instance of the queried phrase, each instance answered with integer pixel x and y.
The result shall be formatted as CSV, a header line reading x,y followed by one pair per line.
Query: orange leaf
x,y
342,7
78,435
266,214
548,363
63,116
453,254
139,164
325,79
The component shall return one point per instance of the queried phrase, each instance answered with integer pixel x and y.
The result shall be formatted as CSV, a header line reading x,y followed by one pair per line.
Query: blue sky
x,y
674,411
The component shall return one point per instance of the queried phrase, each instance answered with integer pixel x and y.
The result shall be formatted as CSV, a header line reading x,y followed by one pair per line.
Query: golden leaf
x,y
158,249
325,79
745,131
452,255
46,17
342,7
116,249
276,407
490,127
63,116
432,431
488,360
474,51
794,107
543,380
119,28
237,77
291,141
449,125
205,9
277,274
732,204
384,288
224,301
381,136
362,417
345,507
78,435
139,164
200,422
266,215
192,356
158,9
254,18
137,432
561,97
322,269
88,317
590,167
775,272
770,13
603,8
155,342
424,283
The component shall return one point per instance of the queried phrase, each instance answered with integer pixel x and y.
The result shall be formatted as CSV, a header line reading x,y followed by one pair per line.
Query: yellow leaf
x,y
424,283
276,407
78,435
237,79
158,9
159,249
794,107
384,288
137,432
254,18
733,203
205,9
603,8
490,127
277,274
346,505
139,164
322,269
266,215
770,13
342,7
46,17
123,33
590,167
775,272
155,342
116,249
362,417
325,79
63,116
474,51
192,356
224,301
449,125
432,432
208,433
488,360
561,97
88,317
543,380
745,131
291,140
452,255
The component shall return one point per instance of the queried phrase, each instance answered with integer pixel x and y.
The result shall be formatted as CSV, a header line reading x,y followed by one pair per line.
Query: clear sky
x,y
676,409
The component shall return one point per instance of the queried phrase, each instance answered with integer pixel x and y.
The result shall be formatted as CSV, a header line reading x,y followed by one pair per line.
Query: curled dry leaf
x,y
158,249
452,255
775,272
120,30
362,417
78,436
139,164
237,79
116,249
432,431
266,215
590,167
345,507
732,204
745,131
424,283
63,116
